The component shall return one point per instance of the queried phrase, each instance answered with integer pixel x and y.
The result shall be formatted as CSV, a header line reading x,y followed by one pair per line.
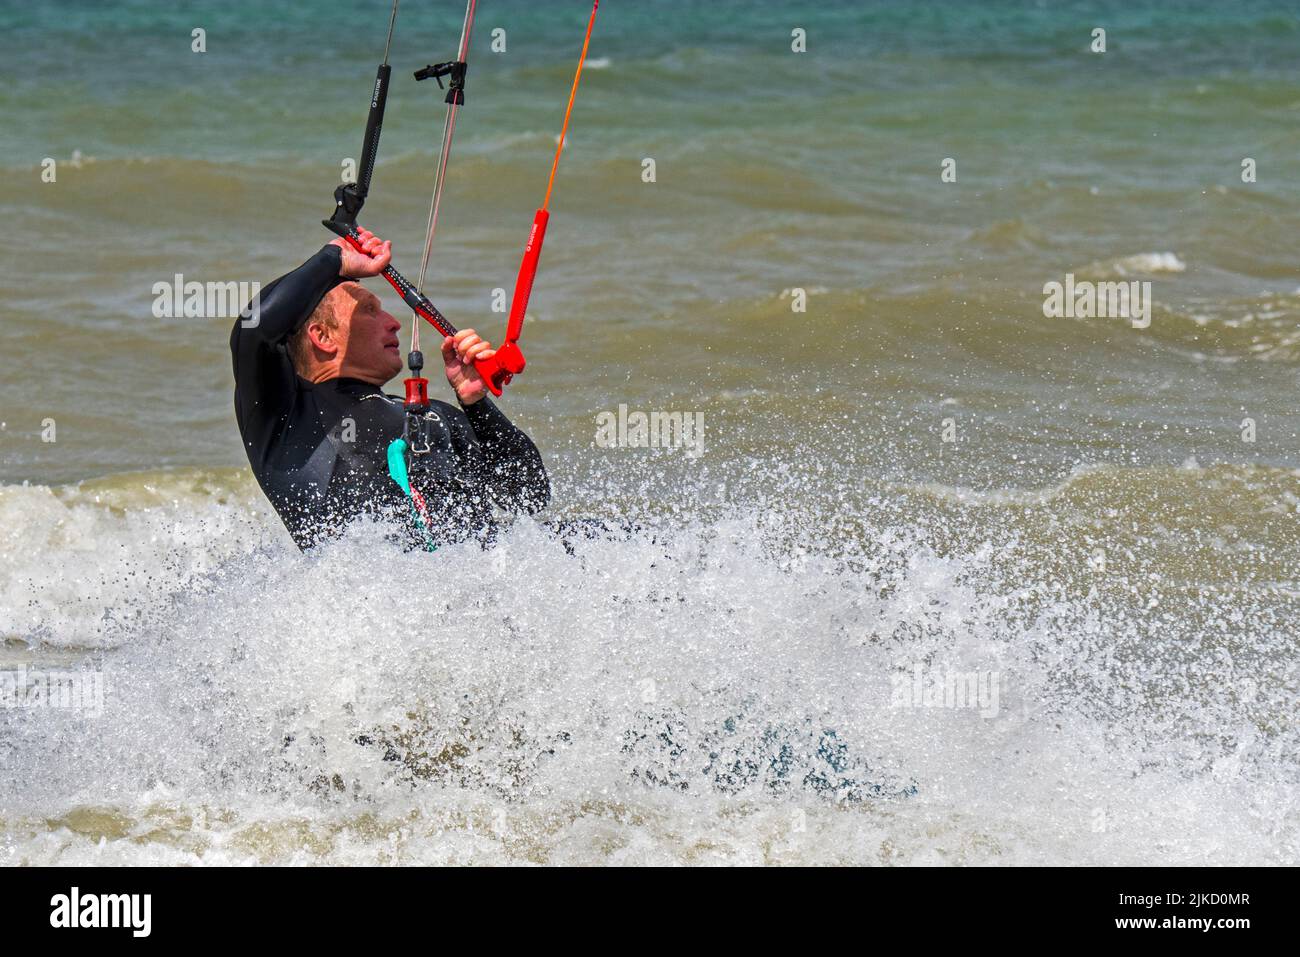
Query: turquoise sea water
x,y
921,468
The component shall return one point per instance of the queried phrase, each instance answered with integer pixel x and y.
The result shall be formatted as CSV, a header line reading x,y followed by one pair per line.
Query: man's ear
x,y
322,337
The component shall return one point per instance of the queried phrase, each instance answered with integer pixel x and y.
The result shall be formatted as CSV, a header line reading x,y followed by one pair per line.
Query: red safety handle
x,y
527,273
509,360
503,366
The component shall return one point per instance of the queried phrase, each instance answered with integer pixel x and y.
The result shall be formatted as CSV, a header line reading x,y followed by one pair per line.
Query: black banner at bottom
x,y
1213,907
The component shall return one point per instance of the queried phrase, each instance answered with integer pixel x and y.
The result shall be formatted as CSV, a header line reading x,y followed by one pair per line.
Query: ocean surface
x,y
910,479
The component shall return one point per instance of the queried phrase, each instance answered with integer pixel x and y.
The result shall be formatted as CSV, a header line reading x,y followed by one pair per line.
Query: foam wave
x,y
89,565
714,689
1148,264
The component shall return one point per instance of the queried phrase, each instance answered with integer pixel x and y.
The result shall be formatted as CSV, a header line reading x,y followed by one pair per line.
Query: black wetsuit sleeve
x,y
264,376
509,465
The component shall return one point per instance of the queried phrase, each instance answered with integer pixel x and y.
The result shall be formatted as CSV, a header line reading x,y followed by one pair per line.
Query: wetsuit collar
x,y
342,384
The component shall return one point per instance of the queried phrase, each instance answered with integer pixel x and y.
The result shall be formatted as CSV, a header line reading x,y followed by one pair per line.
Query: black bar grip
x,y
374,126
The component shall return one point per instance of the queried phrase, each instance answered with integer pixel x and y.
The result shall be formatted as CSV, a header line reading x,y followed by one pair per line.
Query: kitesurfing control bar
x,y
488,369
350,197
405,288
508,360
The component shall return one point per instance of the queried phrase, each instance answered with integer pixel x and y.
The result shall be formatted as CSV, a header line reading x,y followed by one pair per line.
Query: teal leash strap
x,y
397,471
397,465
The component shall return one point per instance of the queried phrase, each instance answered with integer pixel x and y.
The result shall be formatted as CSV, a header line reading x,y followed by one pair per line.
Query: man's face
x,y
368,336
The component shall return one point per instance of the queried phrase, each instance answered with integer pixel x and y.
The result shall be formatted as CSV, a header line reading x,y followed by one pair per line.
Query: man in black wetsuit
x,y
310,364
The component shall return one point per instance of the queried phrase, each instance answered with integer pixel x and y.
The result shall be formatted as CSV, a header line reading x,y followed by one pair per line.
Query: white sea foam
x,y
701,692
1149,264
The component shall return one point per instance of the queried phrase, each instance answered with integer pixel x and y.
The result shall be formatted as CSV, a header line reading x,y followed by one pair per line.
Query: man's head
x,y
349,335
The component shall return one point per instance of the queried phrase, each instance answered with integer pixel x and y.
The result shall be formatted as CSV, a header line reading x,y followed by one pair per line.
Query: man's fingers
x,y
372,246
467,348
470,346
